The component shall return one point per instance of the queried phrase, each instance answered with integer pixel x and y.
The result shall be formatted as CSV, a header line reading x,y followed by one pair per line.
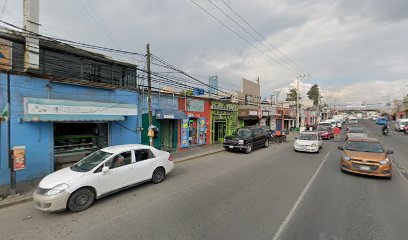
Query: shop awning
x,y
170,115
72,118
58,110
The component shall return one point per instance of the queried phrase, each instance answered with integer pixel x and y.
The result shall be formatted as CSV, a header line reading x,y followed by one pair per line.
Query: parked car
x,y
365,156
101,173
246,139
381,121
352,120
325,132
308,142
400,124
356,131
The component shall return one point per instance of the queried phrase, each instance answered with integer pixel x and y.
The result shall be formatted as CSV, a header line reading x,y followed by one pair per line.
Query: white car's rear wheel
x,y
158,175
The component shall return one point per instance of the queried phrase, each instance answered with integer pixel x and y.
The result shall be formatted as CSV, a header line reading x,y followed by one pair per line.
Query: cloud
x,y
347,46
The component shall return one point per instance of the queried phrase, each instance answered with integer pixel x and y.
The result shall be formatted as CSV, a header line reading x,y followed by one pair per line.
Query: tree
x,y
314,94
291,95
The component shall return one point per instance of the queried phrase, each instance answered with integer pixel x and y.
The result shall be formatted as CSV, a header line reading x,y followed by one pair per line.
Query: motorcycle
x,y
385,131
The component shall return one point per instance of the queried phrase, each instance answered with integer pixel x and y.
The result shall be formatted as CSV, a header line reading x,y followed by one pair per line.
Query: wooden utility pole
x,y
149,95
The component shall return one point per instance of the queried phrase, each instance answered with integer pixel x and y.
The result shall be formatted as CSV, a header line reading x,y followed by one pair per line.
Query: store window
x,y
73,141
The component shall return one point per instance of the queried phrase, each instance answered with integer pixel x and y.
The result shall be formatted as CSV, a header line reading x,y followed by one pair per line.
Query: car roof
x,y
125,147
367,139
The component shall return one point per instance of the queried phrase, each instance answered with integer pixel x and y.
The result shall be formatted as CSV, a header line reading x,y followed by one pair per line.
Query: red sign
x,y
19,157
259,113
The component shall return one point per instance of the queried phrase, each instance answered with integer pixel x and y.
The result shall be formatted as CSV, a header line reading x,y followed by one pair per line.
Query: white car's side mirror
x,y
105,169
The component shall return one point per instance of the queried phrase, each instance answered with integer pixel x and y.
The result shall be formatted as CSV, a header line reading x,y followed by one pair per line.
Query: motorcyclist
x,y
385,127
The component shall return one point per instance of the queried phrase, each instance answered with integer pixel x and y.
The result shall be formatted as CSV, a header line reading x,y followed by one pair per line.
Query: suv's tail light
x,y
170,157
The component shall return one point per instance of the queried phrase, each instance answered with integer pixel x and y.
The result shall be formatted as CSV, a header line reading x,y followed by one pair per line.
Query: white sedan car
x,y
308,142
99,174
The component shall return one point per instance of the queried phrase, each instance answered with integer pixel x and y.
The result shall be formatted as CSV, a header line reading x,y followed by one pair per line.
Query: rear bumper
x,y
306,149
381,171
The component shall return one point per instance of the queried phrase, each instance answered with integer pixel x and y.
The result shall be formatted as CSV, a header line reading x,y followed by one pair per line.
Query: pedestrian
x,y
336,132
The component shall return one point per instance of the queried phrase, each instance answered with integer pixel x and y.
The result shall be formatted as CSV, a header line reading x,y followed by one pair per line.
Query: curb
x,y
16,201
198,155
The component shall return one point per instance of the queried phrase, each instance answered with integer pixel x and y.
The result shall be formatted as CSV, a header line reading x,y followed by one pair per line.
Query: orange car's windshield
x,y
373,147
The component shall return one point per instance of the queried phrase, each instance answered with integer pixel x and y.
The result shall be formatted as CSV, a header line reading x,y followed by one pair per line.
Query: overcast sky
x,y
355,50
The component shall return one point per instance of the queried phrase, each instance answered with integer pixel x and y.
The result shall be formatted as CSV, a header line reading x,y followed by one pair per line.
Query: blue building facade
x,y
54,124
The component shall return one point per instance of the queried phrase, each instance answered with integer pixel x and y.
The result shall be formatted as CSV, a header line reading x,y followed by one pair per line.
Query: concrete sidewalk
x,y
24,191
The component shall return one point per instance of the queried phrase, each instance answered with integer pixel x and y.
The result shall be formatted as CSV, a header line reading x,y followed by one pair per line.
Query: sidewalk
x,y
197,152
24,191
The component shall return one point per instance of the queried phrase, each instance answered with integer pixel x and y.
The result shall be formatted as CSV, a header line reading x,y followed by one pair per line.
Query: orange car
x,y
366,156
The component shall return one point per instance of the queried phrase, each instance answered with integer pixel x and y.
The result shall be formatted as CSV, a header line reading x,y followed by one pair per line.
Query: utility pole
x,y
297,102
149,95
10,157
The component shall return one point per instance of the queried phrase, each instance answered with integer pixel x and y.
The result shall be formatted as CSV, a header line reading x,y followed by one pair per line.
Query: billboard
x,y
5,54
213,85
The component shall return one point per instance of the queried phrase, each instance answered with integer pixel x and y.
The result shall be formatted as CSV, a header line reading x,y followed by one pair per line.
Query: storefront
x,y
58,124
224,120
250,116
195,127
166,117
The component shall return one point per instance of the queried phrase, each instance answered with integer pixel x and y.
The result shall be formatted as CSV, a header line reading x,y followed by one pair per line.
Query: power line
x,y
239,35
230,29
255,38
260,35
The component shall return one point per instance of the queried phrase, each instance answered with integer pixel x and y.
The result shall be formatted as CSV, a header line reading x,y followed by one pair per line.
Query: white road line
x,y
300,198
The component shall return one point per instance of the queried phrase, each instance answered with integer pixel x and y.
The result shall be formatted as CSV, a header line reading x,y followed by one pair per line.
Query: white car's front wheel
x,y
81,199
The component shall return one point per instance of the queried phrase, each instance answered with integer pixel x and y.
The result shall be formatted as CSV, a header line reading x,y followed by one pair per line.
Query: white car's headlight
x,y
57,189
313,145
345,157
240,141
384,162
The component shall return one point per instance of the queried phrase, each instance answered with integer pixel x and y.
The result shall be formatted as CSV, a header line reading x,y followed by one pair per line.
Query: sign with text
x,y
195,105
38,106
213,85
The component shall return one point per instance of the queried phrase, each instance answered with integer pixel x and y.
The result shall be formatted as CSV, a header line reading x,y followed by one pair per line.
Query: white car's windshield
x,y
91,161
307,137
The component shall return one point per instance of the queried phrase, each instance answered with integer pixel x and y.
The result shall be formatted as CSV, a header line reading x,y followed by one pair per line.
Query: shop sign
x,y
19,158
5,54
195,105
224,106
37,106
265,114
253,113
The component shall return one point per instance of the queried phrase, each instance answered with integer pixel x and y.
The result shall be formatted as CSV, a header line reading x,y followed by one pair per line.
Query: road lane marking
x,y
298,201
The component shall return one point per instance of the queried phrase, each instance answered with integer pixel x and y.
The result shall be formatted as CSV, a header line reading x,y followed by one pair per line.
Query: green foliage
x,y
314,94
291,95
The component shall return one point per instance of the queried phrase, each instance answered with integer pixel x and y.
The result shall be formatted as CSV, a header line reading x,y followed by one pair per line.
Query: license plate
x,y
365,168
231,146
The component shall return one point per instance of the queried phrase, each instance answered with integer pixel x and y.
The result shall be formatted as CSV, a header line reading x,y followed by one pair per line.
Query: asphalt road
x,y
272,193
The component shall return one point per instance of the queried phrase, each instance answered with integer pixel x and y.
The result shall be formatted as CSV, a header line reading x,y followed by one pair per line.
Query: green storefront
x,y
224,120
